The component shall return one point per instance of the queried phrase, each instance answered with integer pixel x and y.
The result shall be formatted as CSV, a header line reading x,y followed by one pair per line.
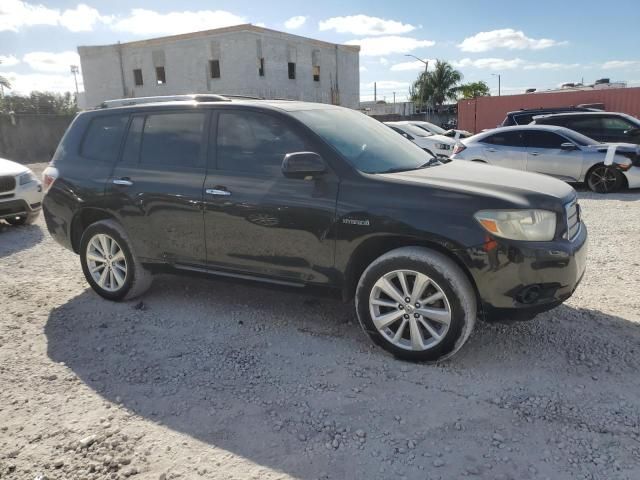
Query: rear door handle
x,y
535,154
217,191
122,181
491,149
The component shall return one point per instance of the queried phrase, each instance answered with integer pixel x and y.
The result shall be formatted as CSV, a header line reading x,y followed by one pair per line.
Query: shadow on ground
x,y
253,370
17,238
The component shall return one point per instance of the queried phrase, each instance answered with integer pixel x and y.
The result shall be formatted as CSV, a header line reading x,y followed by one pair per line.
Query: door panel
x,y
544,155
157,186
256,220
506,149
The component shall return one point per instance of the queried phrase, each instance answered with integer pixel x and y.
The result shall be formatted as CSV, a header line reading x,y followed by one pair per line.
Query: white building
x,y
238,60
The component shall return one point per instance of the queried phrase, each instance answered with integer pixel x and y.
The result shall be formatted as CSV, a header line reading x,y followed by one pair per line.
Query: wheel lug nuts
x,y
407,299
406,316
416,315
401,307
417,305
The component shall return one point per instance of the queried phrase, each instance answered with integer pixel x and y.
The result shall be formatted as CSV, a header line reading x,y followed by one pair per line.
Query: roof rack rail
x,y
240,97
200,97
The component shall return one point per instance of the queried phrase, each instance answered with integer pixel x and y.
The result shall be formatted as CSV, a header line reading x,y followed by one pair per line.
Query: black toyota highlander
x,y
304,194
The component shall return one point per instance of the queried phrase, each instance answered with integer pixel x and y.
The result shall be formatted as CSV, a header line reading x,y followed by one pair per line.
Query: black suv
x,y
524,117
610,127
305,194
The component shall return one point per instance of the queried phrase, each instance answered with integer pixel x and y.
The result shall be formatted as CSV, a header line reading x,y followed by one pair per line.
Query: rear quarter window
x,y
103,137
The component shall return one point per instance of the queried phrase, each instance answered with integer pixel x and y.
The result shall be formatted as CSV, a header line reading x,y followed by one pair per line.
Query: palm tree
x,y
4,83
438,85
474,89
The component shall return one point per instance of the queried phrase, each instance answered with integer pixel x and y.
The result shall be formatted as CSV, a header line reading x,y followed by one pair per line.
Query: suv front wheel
x,y
417,304
109,264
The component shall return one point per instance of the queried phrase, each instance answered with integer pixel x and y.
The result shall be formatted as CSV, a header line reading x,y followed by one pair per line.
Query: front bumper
x,y
24,200
633,177
518,280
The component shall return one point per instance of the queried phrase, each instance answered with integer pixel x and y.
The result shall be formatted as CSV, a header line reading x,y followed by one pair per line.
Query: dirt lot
x,y
207,379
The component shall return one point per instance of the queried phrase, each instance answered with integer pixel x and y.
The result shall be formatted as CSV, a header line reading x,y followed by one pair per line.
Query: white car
x,y
555,151
437,145
20,193
436,130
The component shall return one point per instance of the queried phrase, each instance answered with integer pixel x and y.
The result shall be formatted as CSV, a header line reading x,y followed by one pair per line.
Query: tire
x,y
23,219
449,288
604,179
129,283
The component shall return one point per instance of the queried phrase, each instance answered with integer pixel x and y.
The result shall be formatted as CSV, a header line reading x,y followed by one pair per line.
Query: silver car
x,y
555,151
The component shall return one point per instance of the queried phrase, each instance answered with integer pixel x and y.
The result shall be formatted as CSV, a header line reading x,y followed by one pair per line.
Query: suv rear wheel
x,y
417,304
109,264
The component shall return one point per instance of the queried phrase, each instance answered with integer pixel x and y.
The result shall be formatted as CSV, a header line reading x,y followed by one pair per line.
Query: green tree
x,y
474,89
42,103
4,82
437,86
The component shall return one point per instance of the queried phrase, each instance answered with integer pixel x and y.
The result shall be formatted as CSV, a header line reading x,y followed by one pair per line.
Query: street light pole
x,y
497,75
426,68
75,70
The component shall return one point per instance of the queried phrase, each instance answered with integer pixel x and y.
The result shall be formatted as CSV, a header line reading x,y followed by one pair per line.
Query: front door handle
x,y
491,149
535,154
122,181
217,191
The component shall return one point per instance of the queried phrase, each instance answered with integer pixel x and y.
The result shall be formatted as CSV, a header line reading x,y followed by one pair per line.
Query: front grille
x,y
572,210
7,184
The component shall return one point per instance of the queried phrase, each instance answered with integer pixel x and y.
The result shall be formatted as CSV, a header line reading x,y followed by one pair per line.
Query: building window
x,y
214,68
161,78
261,67
292,71
137,77
316,73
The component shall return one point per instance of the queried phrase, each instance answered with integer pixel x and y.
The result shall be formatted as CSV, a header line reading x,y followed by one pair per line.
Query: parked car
x,y
436,130
601,126
436,145
305,194
525,116
20,193
556,151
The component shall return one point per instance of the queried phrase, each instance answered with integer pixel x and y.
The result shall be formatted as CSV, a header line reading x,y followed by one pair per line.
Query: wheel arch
x,y
375,247
82,219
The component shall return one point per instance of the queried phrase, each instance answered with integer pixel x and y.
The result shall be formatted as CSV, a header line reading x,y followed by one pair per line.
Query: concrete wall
x,y
186,62
31,138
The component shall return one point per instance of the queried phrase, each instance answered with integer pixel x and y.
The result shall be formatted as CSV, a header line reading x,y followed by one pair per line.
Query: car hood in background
x,y
521,188
621,147
7,167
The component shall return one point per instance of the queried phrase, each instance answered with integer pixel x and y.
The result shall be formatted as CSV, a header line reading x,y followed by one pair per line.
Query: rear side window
x,y
616,125
173,139
523,119
539,139
510,139
103,138
254,143
588,124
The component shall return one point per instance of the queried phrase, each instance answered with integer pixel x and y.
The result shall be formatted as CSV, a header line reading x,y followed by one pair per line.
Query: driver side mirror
x,y
303,164
633,132
568,146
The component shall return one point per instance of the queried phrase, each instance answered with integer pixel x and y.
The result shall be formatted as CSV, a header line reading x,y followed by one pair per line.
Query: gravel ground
x,y
207,379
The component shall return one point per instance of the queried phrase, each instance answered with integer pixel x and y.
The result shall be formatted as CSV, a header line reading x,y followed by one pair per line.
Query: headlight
x,y
531,225
27,178
443,146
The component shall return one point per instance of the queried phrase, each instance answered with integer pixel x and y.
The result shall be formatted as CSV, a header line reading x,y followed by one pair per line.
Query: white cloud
x,y
375,46
26,83
82,18
365,25
510,64
8,60
363,69
295,22
614,64
414,66
16,14
52,62
148,22
505,38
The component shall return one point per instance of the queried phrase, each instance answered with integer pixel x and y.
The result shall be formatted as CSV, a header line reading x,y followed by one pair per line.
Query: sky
x,y
539,44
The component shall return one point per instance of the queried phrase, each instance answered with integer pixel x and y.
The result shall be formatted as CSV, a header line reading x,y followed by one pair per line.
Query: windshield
x,y
367,144
412,129
430,127
578,138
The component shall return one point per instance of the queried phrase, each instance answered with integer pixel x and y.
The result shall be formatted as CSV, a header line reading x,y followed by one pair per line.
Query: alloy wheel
x,y
602,180
106,262
410,310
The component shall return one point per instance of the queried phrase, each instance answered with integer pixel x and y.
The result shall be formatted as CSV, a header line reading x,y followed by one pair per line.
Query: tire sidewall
x,y
103,228
458,315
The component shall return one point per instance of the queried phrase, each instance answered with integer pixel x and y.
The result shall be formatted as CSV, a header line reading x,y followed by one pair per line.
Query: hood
x,y
620,147
521,189
7,167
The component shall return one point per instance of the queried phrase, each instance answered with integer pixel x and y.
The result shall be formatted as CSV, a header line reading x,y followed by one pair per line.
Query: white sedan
x,y
20,193
556,151
437,145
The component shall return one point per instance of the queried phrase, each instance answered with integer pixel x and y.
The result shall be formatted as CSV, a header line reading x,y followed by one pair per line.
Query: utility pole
x,y
497,75
426,68
394,98
375,92
75,70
